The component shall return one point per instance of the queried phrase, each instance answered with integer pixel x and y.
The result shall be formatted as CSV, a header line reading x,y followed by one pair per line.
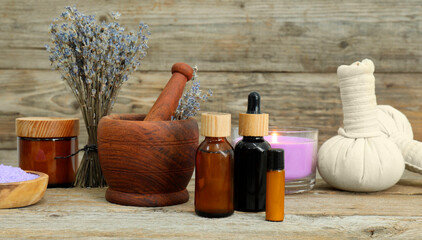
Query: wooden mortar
x,y
146,159
147,163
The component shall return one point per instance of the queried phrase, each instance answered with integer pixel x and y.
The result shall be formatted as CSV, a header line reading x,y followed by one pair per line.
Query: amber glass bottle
x,y
214,168
275,186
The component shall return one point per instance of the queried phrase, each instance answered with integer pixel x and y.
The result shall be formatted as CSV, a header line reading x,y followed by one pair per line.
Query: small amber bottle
x,y
214,168
275,186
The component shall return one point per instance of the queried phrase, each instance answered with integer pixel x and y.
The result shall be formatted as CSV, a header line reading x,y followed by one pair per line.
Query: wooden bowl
x,y
147,163
21,194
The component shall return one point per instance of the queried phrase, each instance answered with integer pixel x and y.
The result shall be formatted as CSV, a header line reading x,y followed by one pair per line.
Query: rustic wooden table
x,y
323,213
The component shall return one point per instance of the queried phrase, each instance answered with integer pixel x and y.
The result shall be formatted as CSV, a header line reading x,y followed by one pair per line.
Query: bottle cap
x,y
253,122
275,159
47,127
214,124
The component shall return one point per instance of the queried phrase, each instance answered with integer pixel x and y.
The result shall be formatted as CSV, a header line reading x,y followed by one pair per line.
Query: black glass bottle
x,y
250,174
250,158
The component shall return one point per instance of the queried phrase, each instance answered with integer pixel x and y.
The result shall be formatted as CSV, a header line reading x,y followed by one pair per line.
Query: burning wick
x,y
274,138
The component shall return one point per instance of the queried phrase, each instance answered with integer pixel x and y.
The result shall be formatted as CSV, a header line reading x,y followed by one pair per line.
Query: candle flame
x,y
274,137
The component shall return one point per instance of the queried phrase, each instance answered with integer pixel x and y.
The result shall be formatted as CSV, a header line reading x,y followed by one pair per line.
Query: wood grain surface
x,y
147,163
324,213
321,214
236,35
216,124
253,124
24,193
47,127
291,99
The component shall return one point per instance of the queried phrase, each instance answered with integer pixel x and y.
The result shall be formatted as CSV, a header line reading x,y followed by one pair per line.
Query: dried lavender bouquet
x,y
95,60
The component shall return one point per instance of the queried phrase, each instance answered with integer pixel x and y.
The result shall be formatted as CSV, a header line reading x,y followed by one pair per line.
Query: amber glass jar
x,y
214,168
41,140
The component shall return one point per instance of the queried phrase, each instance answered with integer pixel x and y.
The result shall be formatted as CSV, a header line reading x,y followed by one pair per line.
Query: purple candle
x,y
298,154
300,147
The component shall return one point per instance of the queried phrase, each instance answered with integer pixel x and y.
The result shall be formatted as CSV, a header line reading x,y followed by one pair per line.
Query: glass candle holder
x,y
300,147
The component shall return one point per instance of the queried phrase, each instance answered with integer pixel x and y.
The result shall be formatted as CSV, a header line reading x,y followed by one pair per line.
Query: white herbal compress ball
x,y
360,158
396,126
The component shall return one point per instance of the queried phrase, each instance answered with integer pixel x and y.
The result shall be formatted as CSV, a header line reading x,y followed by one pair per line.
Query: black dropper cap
x,y
275,159
254,103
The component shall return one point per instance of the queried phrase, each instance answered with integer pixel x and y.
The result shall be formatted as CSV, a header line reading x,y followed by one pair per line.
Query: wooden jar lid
x,y
47,127
215,124
253,125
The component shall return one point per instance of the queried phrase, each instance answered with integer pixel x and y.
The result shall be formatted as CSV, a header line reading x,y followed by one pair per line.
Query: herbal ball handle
x,y
357,90
167,102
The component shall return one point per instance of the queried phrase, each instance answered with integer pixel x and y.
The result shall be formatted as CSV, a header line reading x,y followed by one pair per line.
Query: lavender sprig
x,y
95,60
189,103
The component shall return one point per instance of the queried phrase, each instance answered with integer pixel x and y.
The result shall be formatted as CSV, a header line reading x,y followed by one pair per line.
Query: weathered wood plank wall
x,y
291,99
286,50
237,35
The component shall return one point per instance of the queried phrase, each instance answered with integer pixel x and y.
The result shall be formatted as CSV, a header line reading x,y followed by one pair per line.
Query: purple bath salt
x,y
9,174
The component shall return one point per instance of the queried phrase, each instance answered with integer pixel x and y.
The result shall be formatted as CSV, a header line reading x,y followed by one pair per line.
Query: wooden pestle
x,y
167,102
